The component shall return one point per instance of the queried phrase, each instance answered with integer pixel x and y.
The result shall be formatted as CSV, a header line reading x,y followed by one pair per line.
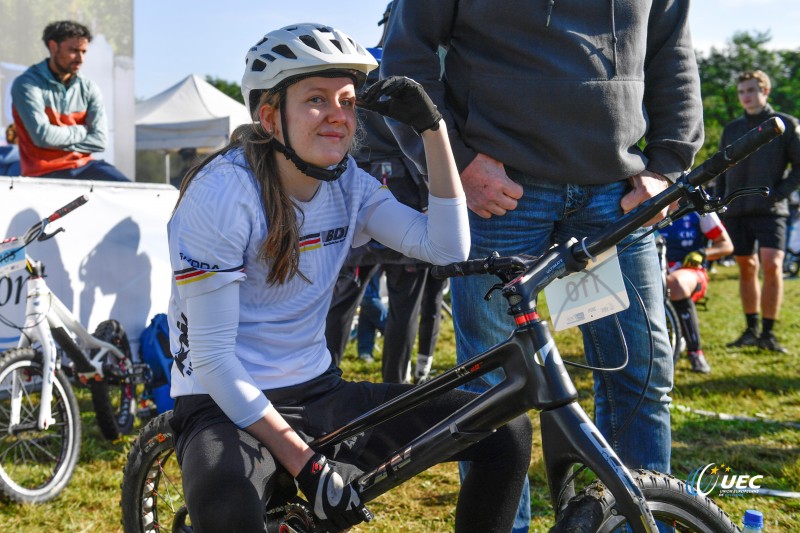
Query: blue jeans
x,y
371,318
549,213
96,169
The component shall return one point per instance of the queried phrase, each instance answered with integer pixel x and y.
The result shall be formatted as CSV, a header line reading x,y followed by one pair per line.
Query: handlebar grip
x,y
74,204
737,151
464,268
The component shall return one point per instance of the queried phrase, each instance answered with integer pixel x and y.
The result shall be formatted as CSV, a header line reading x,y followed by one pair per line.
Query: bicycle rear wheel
x,y
673,330
152,493
593,510
35,465
114,398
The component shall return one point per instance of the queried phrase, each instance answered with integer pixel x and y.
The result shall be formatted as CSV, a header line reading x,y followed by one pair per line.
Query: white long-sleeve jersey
x,y
232,334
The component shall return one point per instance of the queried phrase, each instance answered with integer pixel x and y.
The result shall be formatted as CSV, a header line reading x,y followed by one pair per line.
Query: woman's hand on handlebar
x,y
329,489
645,186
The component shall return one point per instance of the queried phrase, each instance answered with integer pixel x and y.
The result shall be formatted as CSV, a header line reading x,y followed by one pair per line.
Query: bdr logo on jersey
x,y
705,479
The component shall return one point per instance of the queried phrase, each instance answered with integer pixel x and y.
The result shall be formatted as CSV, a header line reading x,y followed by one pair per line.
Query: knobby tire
x,y
36,465
152,493
114,400
593,509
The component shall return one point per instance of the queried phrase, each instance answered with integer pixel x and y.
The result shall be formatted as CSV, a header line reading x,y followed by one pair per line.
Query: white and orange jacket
x,y
59,126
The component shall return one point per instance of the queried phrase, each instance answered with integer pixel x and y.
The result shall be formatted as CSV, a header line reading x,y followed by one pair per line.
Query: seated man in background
x,y
687,255
9,154
59,114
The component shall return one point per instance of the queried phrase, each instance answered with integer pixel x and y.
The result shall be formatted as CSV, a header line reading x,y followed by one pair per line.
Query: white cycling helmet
x,y
294,52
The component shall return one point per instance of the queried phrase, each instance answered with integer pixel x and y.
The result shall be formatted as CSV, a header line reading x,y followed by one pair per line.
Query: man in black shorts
x,y
757,224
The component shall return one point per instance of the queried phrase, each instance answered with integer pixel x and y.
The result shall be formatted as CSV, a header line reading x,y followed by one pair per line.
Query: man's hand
x,y
645,186
333,499
488,189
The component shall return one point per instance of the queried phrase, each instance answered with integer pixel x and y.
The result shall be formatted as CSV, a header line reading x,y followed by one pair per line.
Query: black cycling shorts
x,y
751,233
228,475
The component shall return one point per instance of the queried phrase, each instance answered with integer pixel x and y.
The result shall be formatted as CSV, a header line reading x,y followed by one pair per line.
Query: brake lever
x,y
495,287
507,269
46,236
763,191
699,200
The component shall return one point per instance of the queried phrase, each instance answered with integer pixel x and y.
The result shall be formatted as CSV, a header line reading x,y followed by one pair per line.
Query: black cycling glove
x,y
404,100
332,500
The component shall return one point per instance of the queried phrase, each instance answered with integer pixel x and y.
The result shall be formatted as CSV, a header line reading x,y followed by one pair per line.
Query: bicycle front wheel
x,y
594,509
35,465
152,493
114,398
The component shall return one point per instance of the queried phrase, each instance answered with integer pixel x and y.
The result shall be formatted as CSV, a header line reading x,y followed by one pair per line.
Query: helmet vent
x,y
285,51
310,42
262,41
337,44
268,57
258,65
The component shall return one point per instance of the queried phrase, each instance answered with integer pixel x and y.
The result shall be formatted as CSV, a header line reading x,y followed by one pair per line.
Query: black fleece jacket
x,y
560,90
765,168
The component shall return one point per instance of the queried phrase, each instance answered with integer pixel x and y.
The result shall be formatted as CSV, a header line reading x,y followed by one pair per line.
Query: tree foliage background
x,y
231,88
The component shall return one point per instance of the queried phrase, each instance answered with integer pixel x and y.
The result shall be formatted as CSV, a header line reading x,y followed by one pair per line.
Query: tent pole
x,y
166,166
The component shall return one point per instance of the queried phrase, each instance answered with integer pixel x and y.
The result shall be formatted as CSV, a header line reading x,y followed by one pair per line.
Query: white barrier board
x,y
110,262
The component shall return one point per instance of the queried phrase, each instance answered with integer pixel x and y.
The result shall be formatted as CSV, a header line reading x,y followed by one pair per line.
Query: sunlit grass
x,y
744,382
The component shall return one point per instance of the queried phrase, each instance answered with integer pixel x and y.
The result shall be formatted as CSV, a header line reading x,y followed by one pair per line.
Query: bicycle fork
x,y
36,321
569,437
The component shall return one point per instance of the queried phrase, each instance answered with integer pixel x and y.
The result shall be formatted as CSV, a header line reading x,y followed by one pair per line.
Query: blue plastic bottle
x,y
753,521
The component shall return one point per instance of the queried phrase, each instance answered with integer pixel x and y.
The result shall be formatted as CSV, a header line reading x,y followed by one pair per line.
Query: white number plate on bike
x,y
584,296
9,262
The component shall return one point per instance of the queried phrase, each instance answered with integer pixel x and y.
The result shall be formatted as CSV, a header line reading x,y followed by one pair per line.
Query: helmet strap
x,y
318,173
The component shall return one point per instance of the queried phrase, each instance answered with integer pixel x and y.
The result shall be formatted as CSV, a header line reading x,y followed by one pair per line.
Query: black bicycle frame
x,y
535,375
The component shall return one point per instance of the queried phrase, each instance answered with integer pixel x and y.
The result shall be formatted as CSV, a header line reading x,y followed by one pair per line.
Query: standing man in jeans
x,y
59,114
757,224
546,103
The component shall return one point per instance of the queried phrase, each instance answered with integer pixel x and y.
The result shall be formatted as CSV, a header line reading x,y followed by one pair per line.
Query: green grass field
x,y
761,389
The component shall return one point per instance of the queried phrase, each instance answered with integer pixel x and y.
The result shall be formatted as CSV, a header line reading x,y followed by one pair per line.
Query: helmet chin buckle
x,y
313,171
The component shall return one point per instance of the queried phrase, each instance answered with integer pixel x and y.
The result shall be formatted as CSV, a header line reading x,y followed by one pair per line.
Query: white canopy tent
x,y
190,114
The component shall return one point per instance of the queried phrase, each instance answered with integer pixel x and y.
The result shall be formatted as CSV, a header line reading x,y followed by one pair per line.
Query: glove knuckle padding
x,y
404,100
334,488
332,497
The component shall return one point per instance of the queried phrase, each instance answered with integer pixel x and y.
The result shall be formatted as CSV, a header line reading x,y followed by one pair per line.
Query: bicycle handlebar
x,y
37,230
721,161
464,268
613,234
735,152
73,205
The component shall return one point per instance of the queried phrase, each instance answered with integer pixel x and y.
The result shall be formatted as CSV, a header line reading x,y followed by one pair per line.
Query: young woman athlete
x,y
257,238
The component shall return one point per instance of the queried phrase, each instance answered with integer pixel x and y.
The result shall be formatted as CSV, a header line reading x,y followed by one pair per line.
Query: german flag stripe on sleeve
x,y
190,275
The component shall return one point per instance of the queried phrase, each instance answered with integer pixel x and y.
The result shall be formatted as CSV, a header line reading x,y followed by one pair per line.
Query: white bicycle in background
x,y
40,429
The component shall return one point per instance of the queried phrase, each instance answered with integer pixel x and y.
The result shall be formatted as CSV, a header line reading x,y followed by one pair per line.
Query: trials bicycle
x,y
535,378
40,430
